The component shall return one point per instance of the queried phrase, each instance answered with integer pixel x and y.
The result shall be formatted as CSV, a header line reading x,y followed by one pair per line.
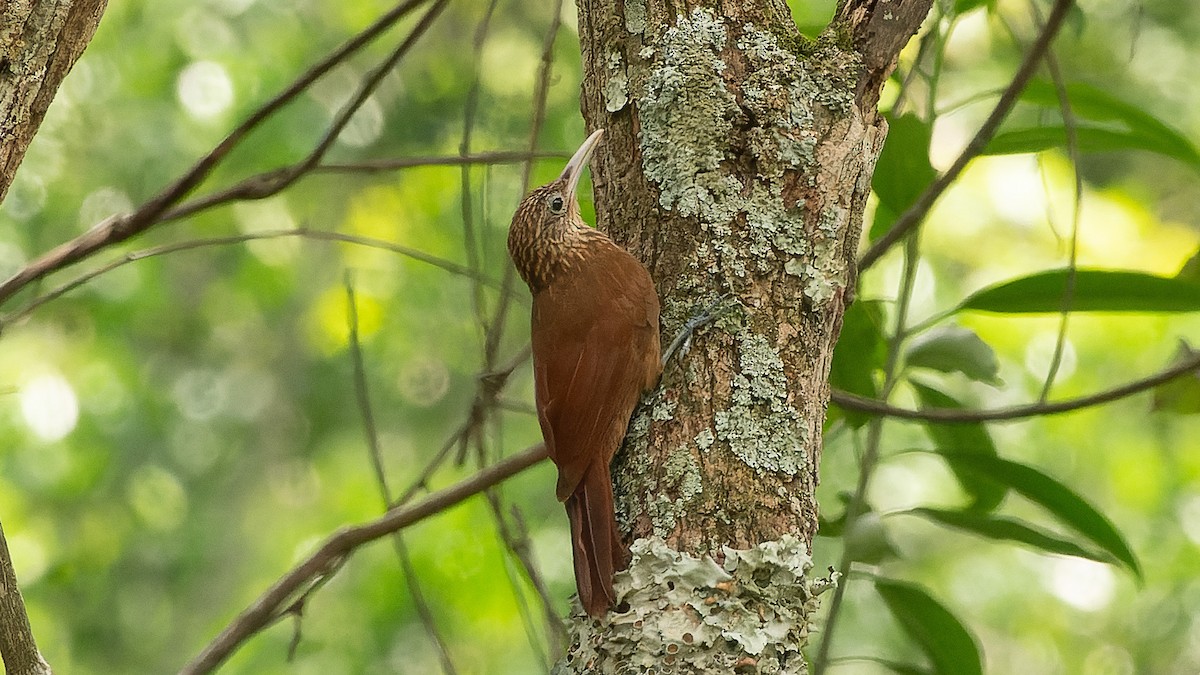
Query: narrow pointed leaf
x,y
1181,395
1001,528
860,352
903,170
1103,122
950,647
1062,502
1095,291
950,349
974,438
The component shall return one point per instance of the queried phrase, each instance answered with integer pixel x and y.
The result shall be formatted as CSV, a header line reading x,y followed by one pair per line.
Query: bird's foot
x,y
683,340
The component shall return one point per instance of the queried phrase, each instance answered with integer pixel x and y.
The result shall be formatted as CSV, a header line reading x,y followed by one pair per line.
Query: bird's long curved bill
x,y
579,160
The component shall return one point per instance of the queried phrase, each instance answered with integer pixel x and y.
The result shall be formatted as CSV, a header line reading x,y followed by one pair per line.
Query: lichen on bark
x,y
750,613
737,163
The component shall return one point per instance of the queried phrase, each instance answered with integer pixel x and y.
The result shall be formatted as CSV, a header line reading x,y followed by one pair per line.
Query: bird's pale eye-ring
x,y
556,203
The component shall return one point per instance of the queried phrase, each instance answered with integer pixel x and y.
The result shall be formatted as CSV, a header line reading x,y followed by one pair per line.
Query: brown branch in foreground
x,y
875,407
119,228
17,646
301,232
363,397
341,544
916,213
270,183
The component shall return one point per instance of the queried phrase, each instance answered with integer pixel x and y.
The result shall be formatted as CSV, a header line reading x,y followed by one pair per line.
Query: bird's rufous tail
x,y
595,542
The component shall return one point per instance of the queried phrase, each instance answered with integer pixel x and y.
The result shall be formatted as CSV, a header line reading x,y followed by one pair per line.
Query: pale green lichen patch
x,y
679,487
631,481
760,426
692,615
635,16
616,87
694,131
686,117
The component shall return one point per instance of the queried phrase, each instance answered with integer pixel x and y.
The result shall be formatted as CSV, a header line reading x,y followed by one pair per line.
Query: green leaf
x,y
867,540
1190,271
964,6
986,493
1095,291
861,351
1087,139
951,349
1103,122
903,170
1181,395
1001,528
950,647
1067,506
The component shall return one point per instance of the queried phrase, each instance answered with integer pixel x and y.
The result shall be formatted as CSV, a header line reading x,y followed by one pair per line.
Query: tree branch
x,y
880,29
875,407
342,543
302,233
40,41
17,646
121,227
916,213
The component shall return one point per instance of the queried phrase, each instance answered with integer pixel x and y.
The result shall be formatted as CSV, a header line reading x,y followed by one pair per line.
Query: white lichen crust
x,y
678,614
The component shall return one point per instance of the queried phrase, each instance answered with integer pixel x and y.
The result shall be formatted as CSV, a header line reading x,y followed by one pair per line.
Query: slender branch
x,y
861,404
119,228
1068,299
269,183
363,397
17,646
470,108
484,158
870,457
191,244
341,544
916,213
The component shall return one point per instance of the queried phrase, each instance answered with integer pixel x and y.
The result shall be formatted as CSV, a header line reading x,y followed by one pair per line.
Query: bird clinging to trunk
x,y
595,352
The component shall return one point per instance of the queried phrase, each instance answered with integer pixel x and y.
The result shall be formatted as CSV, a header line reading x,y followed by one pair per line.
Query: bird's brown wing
x,y
594,339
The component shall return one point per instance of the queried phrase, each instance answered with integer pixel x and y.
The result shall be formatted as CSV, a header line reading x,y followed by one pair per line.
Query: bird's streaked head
x,y
547,218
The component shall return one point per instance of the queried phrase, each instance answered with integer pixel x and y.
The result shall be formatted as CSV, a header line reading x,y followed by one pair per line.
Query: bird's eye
x,y
556,204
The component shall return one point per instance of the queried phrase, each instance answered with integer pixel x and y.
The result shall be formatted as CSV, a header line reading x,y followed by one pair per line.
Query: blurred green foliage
x,y
181,430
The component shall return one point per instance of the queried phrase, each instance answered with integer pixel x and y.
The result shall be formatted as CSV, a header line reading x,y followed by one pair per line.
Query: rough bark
x,y
17,647
737,163
39,42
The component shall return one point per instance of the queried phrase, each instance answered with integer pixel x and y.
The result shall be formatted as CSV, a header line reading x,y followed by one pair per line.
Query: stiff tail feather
x,y
595,542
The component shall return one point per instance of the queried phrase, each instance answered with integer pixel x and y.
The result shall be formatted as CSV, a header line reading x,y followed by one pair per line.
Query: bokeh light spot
x,y
157,497
49,407
204,89
1083,584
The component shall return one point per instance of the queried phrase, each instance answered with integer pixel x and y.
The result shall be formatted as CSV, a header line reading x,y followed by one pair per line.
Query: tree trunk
x,y
737,162
39,42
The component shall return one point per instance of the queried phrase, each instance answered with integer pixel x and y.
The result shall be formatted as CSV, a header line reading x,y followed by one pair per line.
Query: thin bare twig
x,y
870,456
479,158
119,228
494,332
866,405
1068,299
269,183
341,544
470,107
363,397
916,213
191,244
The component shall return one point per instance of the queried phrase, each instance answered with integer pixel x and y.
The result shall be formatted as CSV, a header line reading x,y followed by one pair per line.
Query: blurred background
x,y
182,429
